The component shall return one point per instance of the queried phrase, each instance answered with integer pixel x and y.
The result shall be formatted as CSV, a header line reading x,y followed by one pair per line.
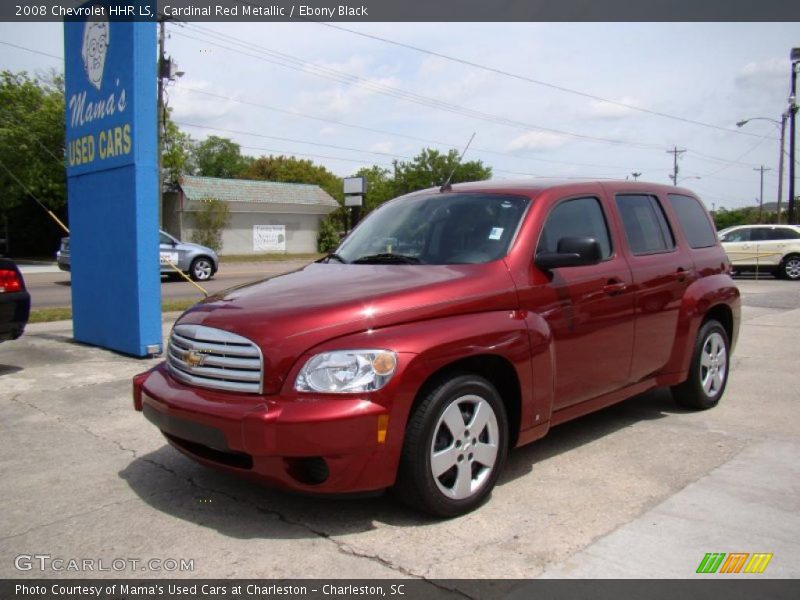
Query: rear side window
x,y
694,221
645,225
580,217
783,233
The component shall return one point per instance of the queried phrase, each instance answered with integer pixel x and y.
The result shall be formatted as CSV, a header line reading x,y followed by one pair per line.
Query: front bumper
x,y
311,444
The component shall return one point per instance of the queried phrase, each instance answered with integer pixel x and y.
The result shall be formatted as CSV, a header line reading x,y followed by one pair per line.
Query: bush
x,y
209,222
328,238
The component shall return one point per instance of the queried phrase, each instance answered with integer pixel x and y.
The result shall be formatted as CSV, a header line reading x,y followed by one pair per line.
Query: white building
x,y
265,216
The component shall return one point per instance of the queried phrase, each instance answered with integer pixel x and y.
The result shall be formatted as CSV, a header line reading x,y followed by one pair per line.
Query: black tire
x,y
427,428
708,377
201,269
790,268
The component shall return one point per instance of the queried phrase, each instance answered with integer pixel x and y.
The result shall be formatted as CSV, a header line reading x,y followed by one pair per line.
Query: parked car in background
x,y
449,327
771,248
15,301
199,262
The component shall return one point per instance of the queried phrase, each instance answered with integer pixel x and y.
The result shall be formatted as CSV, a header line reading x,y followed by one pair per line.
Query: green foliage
x,y
209,221
724,218
32,148
328,239
289,169
179,152
431,168
220,157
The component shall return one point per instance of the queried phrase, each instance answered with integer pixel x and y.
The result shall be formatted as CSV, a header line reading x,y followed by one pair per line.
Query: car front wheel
x,y
708,373
201,269
455,446
790,267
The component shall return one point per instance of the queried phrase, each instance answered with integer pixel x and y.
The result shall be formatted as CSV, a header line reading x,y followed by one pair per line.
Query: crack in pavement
x,y
341,546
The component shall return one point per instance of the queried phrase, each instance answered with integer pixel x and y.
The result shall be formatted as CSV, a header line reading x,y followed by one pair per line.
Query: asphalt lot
x,y
640,490
50,287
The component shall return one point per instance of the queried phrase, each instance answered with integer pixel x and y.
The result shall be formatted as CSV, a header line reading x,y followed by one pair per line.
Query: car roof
x,y
535,186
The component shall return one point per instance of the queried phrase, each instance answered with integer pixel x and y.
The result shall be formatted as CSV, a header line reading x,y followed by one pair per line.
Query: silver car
x,y
199,262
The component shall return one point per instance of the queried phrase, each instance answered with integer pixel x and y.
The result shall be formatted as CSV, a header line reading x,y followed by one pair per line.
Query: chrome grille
x,y
214,358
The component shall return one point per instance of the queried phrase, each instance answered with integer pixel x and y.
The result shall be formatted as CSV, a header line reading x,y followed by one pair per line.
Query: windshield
x,y
439,229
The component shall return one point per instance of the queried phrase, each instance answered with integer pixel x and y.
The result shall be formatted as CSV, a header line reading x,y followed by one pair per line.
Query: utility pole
x,y
675,152
795,58
160,119
762,168
784,116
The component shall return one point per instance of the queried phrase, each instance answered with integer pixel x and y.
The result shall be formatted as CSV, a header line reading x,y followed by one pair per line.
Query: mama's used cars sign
x,y
99,104
112,178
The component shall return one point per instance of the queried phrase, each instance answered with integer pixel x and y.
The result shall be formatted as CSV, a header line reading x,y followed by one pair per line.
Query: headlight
x,y
347,371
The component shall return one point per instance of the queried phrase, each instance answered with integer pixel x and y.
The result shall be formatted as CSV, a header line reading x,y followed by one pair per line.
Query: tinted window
x,y
761,234
783,233
165,239
645,224
436,229
694,221
737,235
581,217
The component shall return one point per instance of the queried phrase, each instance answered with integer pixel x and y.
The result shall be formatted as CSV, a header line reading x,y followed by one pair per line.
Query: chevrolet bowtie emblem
x,y
193,358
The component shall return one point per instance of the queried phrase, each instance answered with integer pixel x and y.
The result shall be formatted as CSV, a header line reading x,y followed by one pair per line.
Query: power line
x,y
396,134
297,64
539,82
31,50
288,61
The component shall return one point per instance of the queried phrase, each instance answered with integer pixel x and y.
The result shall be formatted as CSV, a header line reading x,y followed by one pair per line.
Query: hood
x,y
289,314
193,246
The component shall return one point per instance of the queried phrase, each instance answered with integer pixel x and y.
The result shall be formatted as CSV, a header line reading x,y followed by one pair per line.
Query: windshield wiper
x,y
332,256
388,257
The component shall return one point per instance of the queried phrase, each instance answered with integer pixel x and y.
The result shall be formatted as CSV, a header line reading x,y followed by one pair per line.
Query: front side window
x,y
737,235
579,217
694,221
439,229
645,225
165,239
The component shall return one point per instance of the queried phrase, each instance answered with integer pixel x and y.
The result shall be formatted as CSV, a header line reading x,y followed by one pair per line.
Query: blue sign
x,y
112,181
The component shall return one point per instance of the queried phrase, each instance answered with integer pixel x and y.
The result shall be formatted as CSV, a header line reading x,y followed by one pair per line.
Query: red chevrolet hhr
x,y
449,327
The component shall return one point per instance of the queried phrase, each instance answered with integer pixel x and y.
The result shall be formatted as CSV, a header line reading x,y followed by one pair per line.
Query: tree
x,y
294,170
380,187
328,238
220,157
431,168
209,221
179,152
32,156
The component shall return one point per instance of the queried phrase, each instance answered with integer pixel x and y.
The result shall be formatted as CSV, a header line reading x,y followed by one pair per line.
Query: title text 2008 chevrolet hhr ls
x,y
449,327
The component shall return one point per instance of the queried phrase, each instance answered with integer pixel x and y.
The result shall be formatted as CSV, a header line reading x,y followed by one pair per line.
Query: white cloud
x,y
432,65
537,140
606,110
197,107
769,73
382,147
328,130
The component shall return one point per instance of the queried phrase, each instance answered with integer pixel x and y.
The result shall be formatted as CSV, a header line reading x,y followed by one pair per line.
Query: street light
x,y
795,58
782,126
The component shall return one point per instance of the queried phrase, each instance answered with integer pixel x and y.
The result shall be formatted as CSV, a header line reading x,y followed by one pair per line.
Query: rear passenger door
x,y
589,309
662,271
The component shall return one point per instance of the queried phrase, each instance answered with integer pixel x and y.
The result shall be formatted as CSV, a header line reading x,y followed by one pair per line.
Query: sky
x,y
346,100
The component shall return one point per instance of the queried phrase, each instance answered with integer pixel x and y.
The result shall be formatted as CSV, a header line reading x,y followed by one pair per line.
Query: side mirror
x,y
571,252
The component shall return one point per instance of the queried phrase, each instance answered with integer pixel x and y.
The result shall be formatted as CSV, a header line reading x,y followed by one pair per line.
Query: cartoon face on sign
x,y
93,50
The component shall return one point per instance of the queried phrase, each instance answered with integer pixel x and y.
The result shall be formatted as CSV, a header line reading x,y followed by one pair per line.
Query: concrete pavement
x,y
642,489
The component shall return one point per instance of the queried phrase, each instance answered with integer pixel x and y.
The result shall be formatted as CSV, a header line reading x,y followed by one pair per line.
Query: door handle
x,y
614,287
681,274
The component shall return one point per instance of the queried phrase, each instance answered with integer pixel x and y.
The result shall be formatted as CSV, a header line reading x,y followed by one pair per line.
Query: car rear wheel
x,y
201,269
708,374
455,446
790,267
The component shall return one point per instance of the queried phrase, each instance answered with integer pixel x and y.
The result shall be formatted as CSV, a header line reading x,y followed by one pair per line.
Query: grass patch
x,y
273,257
45,315
64,313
